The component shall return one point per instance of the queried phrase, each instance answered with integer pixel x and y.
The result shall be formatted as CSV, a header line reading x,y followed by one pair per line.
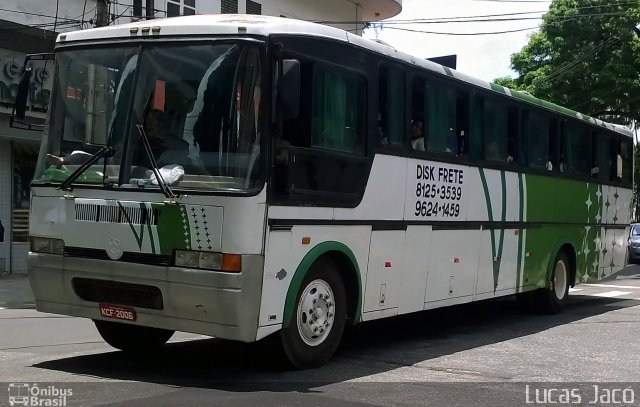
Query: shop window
x,y
149,11
254,7
229,7
181,8
24,163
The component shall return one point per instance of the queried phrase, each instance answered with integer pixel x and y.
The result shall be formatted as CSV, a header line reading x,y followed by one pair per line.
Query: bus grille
x,y
118,293
116,214
127,257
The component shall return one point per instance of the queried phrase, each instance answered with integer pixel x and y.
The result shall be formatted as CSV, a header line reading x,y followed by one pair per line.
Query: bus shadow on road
x,y
369,349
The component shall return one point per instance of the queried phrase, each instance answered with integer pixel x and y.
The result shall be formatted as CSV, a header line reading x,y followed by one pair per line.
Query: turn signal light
x,y
231,263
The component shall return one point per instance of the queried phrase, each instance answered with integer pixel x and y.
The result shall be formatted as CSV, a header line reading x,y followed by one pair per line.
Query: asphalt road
x,y
472,355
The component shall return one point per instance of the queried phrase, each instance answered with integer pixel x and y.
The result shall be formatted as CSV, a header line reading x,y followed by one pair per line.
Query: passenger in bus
x,y
417,135
452,142
381,136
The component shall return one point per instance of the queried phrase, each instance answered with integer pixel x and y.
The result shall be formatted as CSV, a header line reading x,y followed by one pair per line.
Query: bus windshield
x,y
196,107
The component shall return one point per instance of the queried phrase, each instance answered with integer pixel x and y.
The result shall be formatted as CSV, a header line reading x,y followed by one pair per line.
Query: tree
x,y
586,57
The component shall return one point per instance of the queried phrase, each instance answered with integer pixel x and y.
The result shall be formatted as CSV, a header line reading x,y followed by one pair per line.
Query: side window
x,y
418,113
576,149
495,131
462,123
553,145
537,140
513,131
600,156
441,119
338,117
391,101
626,153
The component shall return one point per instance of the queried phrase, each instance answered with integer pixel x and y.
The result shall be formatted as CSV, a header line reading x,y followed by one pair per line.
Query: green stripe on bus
x,y
496,268
498,88
448,71
303,268
520,231
496,255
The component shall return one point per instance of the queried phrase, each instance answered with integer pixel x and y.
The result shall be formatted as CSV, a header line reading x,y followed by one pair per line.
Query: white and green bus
x,y
244,176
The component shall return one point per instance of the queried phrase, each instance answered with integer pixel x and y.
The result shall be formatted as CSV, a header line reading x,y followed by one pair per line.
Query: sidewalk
x,y
15,292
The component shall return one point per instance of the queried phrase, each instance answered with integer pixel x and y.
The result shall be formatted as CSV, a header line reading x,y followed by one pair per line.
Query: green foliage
x,y
507,82
585,57
635,212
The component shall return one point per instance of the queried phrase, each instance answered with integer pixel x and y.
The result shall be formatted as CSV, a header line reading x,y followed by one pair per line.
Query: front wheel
x,y
132,338
318,319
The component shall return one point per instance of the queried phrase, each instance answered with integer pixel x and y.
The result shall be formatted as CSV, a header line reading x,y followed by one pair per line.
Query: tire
x,y
318,319
132,338
552,299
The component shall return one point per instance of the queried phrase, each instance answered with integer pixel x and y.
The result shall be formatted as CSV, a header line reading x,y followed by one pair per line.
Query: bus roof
x,y
259,25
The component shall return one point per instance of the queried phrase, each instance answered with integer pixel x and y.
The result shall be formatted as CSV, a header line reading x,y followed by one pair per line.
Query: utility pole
x,y
102,15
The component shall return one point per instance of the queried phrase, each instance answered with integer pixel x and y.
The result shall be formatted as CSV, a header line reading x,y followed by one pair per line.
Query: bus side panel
x,y
499,199
569,211
385,271
453,265
417,252
285,252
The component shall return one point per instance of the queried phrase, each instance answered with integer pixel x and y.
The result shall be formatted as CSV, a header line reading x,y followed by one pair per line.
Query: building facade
x,y
30,26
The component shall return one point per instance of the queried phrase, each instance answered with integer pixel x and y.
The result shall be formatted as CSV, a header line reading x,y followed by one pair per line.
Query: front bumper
x,y
224,305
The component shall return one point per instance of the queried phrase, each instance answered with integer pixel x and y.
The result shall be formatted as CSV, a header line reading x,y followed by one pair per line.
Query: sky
x,y
483,56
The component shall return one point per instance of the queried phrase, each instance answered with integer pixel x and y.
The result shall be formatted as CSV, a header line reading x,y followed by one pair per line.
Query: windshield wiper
x,y
103,152
164,187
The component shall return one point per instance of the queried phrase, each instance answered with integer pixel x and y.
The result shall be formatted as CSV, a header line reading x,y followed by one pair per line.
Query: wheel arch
x,y
347,264
566,247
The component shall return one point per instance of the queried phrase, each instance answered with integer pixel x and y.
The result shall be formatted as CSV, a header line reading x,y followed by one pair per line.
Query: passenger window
x,y
391,107
553,145
626,153
600,156
576,149
537,141
441,123
418,114
495,131
462,123
338,118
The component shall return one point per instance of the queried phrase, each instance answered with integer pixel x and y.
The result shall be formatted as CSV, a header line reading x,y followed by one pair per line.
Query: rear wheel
x,y
318,318
132,338
553,298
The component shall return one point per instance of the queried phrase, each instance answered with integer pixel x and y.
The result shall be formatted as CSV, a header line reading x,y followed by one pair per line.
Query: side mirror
x,y
20,105
289,89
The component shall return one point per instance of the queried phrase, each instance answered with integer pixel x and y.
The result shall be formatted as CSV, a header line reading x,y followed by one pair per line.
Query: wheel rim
x,y
560,279
316,312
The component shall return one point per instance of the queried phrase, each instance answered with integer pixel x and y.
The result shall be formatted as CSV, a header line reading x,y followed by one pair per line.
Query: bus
x,y
248,176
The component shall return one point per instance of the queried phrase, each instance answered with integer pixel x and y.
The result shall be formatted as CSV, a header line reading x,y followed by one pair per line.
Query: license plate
x,y
117,312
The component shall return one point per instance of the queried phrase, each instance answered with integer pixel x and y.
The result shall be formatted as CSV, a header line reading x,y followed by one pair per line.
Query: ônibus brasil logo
x,y
25,394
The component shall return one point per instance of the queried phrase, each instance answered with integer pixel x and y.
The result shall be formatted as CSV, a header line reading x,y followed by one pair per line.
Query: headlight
x,y
208,260
186,258
47,245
